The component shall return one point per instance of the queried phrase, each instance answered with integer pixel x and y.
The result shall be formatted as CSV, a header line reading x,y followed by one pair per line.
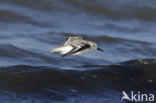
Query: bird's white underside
x,y
63,49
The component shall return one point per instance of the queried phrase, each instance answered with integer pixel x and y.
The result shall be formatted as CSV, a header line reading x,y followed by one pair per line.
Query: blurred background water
x,y
30,73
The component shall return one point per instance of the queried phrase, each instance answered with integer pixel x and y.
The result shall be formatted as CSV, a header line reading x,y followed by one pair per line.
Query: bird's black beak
x,y
100,49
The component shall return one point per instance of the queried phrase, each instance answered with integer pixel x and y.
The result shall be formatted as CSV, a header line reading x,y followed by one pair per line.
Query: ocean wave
x,y
30,73
11,16
120,10
25,78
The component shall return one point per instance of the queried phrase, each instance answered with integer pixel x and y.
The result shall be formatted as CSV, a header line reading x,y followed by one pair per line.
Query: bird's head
x,y
94,45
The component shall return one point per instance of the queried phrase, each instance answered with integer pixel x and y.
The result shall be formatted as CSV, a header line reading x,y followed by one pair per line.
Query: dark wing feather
x,y
67,38
83,47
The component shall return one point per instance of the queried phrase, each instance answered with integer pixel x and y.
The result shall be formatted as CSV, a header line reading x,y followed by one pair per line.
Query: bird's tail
x,y
56,50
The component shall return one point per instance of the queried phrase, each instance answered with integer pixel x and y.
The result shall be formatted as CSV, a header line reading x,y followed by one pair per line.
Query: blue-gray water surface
x,y
30,73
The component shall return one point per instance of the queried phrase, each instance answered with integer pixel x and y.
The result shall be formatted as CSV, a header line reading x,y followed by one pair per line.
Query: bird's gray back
x,y
79,42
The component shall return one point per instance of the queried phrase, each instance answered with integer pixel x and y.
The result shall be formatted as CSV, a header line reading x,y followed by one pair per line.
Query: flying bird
x,y
76,46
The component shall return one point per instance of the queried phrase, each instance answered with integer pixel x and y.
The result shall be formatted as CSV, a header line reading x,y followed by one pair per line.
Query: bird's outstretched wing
x,y
70,52
69,39
77,48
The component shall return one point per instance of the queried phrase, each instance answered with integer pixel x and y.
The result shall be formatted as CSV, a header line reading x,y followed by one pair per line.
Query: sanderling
x,y
76,46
